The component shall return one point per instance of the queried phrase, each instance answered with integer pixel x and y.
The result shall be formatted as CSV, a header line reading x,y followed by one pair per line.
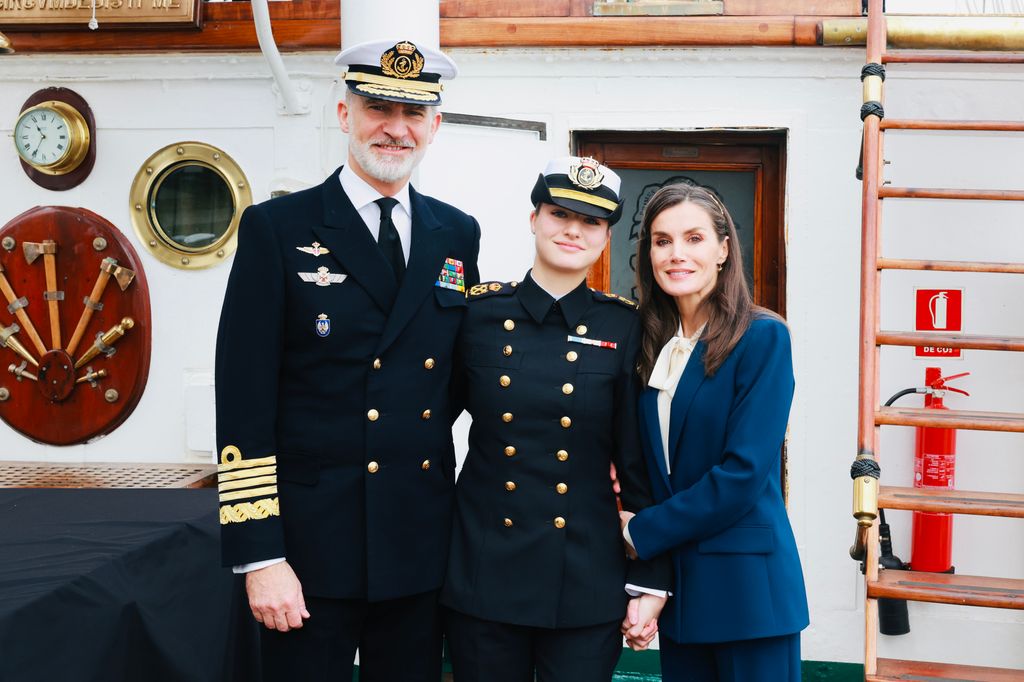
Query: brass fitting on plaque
x,y
105,342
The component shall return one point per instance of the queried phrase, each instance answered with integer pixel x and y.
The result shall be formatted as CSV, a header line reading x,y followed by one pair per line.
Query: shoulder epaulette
x,y
622,300
485,289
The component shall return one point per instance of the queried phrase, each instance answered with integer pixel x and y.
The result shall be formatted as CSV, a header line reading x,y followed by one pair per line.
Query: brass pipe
x,y
992,33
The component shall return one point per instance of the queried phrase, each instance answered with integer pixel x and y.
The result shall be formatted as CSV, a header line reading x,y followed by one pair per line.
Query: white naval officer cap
x,y
399,72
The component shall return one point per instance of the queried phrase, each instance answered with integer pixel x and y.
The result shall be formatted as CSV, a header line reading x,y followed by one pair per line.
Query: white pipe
x,y
261,19
415,20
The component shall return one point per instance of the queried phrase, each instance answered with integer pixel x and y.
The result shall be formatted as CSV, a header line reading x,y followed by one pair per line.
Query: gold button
x,y
426,465
559,522
562,455
504,380
581,329
513,284
509,325
566,422
567,388
376,363
508,523
571,356
510,485
507,350
372,467
429,363
509,451
426,414
562,488
507,417
373,415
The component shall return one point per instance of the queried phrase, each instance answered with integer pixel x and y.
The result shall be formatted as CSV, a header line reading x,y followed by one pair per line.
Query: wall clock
x,y
55,137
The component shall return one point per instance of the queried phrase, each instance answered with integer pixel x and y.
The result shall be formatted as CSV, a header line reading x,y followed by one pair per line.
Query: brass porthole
x,y
186,202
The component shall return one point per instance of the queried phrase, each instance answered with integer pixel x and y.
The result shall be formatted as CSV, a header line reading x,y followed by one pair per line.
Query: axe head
x,y
124,277
32,250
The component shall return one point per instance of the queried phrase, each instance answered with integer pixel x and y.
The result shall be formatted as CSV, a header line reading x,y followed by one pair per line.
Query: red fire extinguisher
x,y
931,545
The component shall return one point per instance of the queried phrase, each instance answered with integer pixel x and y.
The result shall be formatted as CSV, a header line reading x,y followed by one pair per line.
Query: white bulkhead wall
x,y
142,103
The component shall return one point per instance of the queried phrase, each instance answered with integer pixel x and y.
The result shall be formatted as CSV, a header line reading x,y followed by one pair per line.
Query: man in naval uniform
x,y
334,356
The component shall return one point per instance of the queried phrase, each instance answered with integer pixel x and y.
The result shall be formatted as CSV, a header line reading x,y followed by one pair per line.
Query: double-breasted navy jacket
x,y
333,394
720,514
552,389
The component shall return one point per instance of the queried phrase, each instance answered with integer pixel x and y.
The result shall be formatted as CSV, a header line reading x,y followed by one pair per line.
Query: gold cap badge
x,y
586,174
402,61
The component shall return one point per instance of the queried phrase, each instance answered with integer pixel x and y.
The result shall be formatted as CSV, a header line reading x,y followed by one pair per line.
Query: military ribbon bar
x,y
593,342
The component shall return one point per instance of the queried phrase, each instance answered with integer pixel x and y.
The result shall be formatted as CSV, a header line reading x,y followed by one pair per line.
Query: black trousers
x,y
488,651
399,640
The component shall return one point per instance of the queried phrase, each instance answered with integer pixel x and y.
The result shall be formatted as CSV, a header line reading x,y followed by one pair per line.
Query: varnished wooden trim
x,y
315,25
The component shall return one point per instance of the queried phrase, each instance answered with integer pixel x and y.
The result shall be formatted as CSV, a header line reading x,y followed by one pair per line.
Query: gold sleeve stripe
x,y
584,197
247,463
247,483
249,511
249,492
251,473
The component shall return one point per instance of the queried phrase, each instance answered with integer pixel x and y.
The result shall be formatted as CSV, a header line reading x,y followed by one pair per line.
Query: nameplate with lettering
x,y
75,14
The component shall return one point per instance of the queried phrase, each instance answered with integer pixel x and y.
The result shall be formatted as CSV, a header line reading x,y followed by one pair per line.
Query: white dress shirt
x,y
362,196
668,369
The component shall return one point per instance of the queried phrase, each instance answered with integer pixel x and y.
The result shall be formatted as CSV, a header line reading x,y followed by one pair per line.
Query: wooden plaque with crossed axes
x,y
74,325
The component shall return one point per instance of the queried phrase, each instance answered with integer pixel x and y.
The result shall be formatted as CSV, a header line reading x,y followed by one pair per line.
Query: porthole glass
x,y
191,206
186,202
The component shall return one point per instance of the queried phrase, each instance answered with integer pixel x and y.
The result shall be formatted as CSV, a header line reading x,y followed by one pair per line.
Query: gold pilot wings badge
x,y
322,277
314,250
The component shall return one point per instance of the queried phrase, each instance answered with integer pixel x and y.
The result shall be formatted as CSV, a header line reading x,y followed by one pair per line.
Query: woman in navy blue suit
x,y
719,372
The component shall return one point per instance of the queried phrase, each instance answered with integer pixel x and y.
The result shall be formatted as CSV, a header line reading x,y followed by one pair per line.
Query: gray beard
x,y
383,169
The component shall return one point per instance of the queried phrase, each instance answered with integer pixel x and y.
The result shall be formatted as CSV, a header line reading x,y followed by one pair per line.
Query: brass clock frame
x,y
74,167
151,176
79,138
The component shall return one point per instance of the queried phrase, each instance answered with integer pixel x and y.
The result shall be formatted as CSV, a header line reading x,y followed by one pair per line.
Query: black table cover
x,y
112,585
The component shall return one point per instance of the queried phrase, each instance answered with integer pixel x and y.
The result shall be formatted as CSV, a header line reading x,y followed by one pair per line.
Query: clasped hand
x,y
641,622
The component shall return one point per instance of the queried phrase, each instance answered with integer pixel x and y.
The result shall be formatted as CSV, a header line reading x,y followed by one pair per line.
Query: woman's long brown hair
x,y
729,306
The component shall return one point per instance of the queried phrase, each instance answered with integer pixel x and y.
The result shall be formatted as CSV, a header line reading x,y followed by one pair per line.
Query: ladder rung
x,y
949,266
891,670
950,57
923,124
970,341
888,192
941,501
950,419
945,588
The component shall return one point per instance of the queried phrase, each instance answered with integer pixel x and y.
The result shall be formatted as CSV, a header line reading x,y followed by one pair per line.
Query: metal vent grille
x,y
112,475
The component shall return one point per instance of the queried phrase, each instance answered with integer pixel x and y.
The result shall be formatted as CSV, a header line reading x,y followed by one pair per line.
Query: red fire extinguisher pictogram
x,y
931,545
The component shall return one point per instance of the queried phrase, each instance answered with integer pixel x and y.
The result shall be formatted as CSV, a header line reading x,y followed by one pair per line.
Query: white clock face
x,y
42,136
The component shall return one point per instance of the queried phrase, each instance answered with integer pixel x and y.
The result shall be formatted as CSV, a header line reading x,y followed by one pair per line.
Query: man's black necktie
x,y
387,237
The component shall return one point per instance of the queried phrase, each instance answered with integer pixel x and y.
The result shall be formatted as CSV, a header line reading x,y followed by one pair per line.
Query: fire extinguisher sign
x,y
938,310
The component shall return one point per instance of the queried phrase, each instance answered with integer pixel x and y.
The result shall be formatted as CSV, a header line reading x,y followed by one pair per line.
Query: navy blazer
x,y
333,408
720,514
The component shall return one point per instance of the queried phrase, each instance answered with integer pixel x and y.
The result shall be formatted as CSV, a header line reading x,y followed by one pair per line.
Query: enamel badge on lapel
x,y
323,324
322,277
452,276
315,250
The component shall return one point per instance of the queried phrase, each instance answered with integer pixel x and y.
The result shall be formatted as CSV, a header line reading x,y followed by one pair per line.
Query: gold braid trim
x,y
249,511
397,92
247,473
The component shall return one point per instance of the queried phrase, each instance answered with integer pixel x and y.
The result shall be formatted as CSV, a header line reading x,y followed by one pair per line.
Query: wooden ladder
x,y
868,494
